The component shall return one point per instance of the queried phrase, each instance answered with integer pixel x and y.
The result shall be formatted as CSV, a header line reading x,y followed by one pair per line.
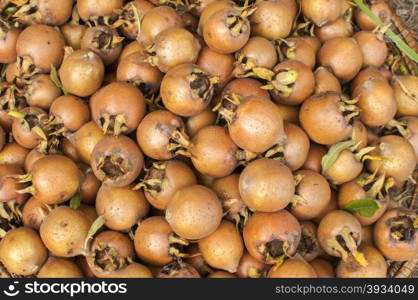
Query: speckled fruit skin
x,y
194,212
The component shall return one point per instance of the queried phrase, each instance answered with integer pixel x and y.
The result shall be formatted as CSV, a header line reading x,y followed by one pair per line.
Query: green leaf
x,y
365,207
334,151
396,39
75,201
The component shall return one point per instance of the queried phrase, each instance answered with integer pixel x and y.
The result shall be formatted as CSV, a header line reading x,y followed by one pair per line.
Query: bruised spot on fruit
x,y
402,228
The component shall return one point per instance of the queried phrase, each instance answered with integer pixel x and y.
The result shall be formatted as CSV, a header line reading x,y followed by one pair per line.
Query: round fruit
x,y
266,185
194,212
22,251
269,237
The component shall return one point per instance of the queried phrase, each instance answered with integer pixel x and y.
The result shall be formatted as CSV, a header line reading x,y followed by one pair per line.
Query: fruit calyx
x,y
281,83
113,166
176,247
113,124
105,40
201,84
345,244
308,242
108,258
402,228
155,180
274,251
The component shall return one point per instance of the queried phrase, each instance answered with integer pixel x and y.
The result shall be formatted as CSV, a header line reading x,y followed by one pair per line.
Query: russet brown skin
x,y
391,248
85,139
412,125
23,135
273,19
322,121
54,185
323,268
258,119
141,6
345,168
369,73
400,154
22,251
9,185
219,37
33,213
376,101
89,184
315,191
134,68
157,20
227,189
380,9
82,72
223,248
43,45
121,207
8,46
221,274
325,81
216,64
302,88
260,51
123,148
376,268
213,152
60,268
68,149
178,270
314,158
211,9
108,54
199,121
72,119
245,87
119,99
119,250
64,231
336,29
266,185
332,205
152,241
131,48
407,106
374,49
175,46
41,91
322,11
293,268
154,133
249,267
332,224
297,48
177,175
134,270
296,147
262,228
196,260
177,94
343,56
93,8
194,212
13,154
72,34
289,113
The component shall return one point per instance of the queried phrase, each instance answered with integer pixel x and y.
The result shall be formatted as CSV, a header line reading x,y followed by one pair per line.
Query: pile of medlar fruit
x,y
215,138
